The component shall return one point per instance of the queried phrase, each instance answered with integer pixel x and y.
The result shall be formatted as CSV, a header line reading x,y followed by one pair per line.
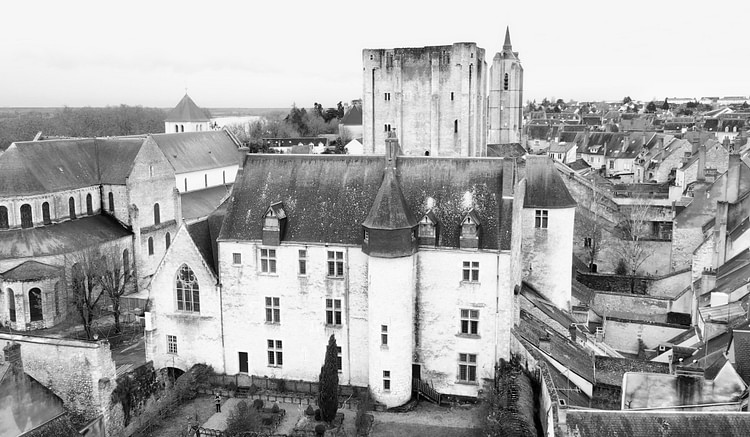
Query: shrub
x,y
258,404
275,408
320,430
317,414
185,387
310,411
242,419
361,420
621,268
328,397
253,389
281,385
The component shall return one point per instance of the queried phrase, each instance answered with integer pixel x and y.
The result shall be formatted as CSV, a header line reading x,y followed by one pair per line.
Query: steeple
x,y
507,46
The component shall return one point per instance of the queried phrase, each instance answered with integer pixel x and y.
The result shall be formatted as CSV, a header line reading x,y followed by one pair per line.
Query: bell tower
x,y
506,96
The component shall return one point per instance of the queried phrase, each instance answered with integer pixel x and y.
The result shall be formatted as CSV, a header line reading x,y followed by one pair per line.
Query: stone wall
x,y
59,209
82,373
638,306
623,335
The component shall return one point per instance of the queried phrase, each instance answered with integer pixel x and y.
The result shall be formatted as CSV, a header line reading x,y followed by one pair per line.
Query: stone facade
x,y
432,97
82,373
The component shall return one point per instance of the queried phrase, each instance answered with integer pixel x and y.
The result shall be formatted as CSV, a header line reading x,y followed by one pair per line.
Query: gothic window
x,y
188,292
150,245
157,218
89,205
45,214
35,304
111,202
3,217
26,218
11,305
72,208
505,82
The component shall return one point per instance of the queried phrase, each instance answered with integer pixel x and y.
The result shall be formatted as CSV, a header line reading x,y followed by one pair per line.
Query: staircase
x,y
424,389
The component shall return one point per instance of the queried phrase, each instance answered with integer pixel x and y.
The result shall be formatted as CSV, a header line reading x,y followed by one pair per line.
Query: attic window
x,y
274,221
426,227
470,231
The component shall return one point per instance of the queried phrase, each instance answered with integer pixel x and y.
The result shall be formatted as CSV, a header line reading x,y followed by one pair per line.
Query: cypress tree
x,y
328,401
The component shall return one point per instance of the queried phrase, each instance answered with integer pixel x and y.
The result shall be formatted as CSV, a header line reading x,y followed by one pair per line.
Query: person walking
x,y
217,400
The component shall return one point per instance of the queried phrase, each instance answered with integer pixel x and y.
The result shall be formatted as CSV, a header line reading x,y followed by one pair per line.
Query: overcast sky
x,y
275,53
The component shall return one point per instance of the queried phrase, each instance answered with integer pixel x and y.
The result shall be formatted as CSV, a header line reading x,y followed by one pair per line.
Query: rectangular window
x,y
268,260
338,358
387,97
467,367
302,271
275,355
335,264
386,380
273,310
171,344
611,164
540,218
587,242
471,271
333,311
243,362
387,127
384,335
236,258
470,322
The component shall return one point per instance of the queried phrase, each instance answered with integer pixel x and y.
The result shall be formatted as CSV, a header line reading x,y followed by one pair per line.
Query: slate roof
x,y
389,209
201,203
65,237
328,197
38,167
702,208
353,116
195,151
186,110
598,423
578,165
610,370
510,150
741,342
200,233
544,187
31,271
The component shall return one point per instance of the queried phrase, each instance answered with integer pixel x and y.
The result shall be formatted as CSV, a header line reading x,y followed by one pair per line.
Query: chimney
x,y
544,345
708,279
12,355
392,150
701,163
733,178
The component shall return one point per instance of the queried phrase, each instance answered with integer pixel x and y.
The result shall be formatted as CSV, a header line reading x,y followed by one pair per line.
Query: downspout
x,y
348,320
221,309
497,305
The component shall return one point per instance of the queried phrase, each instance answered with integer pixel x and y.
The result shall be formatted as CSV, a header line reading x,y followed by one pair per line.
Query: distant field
x,y
216,112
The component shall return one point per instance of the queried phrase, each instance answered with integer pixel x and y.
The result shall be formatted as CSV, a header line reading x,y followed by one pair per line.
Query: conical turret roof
x,y
389,210
507,45
186,110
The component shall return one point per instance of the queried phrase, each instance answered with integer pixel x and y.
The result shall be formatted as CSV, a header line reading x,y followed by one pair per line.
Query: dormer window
x,y
470,227
427,231
274,223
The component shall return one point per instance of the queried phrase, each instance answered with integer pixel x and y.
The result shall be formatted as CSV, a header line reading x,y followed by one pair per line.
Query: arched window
x,y
188,293
26,218
505,82
125,261
150,245
12,305
35,304
455,126
3,217
89,205
167,239
185,184
111,202
182,128
205,179
224,177
176,128
72,208
157,218
45,214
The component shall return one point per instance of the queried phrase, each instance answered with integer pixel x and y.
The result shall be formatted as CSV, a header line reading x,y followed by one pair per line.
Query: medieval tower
x,y
506,96
434,98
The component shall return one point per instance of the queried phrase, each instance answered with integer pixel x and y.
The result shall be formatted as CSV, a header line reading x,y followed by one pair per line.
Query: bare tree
x,y
115,279
85,287
634,229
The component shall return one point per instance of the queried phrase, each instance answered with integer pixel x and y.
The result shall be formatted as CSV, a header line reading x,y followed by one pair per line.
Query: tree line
x,y
80,122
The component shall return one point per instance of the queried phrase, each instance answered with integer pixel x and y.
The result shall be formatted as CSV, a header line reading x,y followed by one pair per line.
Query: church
x,y
122,196
413,263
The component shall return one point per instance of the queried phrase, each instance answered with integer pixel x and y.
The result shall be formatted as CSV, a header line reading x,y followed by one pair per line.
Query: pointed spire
x,y
507,45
